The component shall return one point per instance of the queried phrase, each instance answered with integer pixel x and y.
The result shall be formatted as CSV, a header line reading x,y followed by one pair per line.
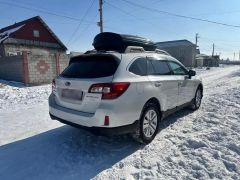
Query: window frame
x,y
36,35
162,60
134,60
185,69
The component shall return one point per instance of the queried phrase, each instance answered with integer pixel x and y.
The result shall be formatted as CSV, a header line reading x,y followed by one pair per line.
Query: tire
x,y
148,124
197,100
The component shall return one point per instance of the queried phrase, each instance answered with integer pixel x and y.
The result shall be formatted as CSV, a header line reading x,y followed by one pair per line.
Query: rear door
x,y
186,86
161,77
83,71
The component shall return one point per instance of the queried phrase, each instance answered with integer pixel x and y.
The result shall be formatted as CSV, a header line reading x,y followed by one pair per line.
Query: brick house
x,y
30,52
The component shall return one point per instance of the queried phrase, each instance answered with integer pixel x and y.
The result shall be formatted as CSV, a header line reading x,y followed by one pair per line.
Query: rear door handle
x,y
180,83
158,84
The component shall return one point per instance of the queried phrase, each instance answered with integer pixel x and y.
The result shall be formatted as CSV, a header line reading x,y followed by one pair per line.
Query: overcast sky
x,y
75,21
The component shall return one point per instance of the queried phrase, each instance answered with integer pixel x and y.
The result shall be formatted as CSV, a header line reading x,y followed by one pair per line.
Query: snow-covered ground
x,y
14,95
200,145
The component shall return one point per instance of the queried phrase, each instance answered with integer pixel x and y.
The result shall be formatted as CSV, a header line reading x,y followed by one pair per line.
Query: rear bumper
x,y
102,130
92,121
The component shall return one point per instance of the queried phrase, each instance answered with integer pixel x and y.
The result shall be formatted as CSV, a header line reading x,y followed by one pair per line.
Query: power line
x,y
86,27
123,11
41,11
222,44
80,23
111,28
33,4
130,14
89,23
179,16
220,40
216,13
136,17
157,1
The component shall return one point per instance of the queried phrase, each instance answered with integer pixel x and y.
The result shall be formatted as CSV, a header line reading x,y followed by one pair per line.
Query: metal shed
x,y
183,50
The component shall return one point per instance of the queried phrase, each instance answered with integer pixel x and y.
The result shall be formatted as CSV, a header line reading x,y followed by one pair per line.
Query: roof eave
x,y
52,33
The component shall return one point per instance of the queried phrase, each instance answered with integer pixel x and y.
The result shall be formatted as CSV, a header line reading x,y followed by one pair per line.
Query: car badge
x,y
67,83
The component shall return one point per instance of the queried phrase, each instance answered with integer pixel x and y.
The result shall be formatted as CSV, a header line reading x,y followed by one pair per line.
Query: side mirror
x,y
191,73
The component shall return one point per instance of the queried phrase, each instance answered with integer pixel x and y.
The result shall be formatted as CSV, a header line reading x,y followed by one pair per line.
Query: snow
x,y
4,35
191,145
14,95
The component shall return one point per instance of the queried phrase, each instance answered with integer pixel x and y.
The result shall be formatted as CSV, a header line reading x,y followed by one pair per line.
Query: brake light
x,y
109,90
53,86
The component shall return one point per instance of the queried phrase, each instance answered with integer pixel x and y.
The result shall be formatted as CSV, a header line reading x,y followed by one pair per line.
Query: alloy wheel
x,y
150,123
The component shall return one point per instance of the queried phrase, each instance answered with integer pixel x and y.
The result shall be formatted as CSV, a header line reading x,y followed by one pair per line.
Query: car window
x,y
158,67
139,67
177,69
91,67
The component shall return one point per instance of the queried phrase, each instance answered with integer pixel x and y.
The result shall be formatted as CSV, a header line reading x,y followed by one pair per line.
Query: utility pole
x,y
239,56
196,40
234,56
213,49
196,45
100,23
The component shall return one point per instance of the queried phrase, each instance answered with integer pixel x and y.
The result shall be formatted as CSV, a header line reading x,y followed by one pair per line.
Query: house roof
x,y
6,32
175,43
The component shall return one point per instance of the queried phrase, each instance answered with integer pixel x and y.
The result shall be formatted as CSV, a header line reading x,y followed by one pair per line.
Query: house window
x,y
36,33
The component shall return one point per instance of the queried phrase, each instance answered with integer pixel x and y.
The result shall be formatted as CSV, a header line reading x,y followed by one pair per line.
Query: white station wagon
x,y
126,92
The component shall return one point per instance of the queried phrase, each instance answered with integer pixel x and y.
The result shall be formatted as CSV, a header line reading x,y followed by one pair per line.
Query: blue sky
x,y
124,18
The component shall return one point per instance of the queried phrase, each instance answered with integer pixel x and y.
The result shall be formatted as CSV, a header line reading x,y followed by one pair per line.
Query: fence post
x,y
57,55
25,68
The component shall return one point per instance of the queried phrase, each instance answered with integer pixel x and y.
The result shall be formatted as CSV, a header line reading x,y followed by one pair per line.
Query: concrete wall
x,y
35,65
42,68
185,54
11,68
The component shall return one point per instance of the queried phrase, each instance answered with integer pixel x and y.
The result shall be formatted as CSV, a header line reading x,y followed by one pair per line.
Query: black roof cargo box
x,y
108,41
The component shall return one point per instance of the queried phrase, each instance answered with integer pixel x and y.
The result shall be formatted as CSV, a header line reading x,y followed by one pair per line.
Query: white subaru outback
x,y
117,93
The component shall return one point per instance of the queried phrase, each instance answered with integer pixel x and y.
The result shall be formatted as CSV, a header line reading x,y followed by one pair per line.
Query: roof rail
x,y
160,51
90,51
134,49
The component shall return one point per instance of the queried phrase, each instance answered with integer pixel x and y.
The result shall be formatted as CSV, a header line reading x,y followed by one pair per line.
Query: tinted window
x,y
139,67
177,69
158,67
91,67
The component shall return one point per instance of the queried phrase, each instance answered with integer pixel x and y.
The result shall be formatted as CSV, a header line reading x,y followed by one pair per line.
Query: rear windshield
x,y
91,67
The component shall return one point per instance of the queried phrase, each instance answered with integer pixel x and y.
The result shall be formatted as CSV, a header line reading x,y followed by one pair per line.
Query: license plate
x,y
72,94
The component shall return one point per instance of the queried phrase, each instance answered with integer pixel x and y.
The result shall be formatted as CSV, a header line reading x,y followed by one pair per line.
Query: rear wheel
x,y
148,126
197,100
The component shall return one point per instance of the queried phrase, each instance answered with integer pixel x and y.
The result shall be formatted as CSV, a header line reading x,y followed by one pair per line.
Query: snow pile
x,y
14,95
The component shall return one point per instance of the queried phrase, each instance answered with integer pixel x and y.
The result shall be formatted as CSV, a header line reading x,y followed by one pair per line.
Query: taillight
x,y
53,86
109,90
